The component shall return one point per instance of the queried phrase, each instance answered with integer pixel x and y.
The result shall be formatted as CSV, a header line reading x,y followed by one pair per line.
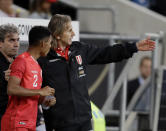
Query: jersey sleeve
x,y
18,67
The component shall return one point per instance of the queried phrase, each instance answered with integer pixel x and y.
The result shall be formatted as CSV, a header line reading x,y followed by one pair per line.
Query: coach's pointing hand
x,y
47,91
145,45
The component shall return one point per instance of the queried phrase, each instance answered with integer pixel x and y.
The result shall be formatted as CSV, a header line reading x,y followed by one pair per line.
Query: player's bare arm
x,y
14,88
47,91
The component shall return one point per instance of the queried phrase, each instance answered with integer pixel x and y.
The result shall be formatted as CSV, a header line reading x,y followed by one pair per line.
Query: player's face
x,y
10,45
47,46
67,35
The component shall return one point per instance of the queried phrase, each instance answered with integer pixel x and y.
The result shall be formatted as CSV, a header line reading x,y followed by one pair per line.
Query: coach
x,y
64,69
9,45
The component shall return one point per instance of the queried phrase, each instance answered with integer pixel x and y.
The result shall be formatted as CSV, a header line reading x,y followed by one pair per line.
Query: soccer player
x,y
25,82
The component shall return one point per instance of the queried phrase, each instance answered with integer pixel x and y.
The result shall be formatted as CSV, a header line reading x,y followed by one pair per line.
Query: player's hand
x,y
50,102
145,45
47,91
7,74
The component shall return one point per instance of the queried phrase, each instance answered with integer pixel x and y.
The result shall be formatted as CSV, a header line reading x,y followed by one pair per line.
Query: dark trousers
x,y
84,126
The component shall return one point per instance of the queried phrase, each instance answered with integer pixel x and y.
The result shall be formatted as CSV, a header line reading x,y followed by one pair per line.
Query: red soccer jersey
x,y
21,110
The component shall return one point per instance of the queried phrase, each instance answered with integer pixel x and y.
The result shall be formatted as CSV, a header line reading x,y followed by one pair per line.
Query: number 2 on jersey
x,y
35,82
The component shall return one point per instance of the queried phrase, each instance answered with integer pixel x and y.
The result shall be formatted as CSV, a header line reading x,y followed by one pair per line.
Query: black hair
x,y
38,33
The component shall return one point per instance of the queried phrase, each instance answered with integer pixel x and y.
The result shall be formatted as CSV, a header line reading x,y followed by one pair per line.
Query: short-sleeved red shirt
x,y
21,110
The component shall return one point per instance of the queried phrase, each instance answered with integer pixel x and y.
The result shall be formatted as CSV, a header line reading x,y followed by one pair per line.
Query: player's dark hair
x,y
37,34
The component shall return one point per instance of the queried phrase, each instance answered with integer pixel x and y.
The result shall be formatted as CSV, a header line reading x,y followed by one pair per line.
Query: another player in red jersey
x,y
25,82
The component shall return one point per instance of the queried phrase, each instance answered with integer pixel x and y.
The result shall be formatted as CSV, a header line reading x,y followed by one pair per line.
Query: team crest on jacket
x,y
79,59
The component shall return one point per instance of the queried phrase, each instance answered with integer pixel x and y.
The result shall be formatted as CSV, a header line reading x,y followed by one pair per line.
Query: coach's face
x,y
67,35
10,45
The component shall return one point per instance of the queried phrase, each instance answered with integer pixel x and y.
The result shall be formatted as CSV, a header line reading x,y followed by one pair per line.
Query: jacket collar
x,y
52,53
3,58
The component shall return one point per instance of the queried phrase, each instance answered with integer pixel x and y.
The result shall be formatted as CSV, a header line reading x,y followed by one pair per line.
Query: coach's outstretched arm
x,y
115,53
14,88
